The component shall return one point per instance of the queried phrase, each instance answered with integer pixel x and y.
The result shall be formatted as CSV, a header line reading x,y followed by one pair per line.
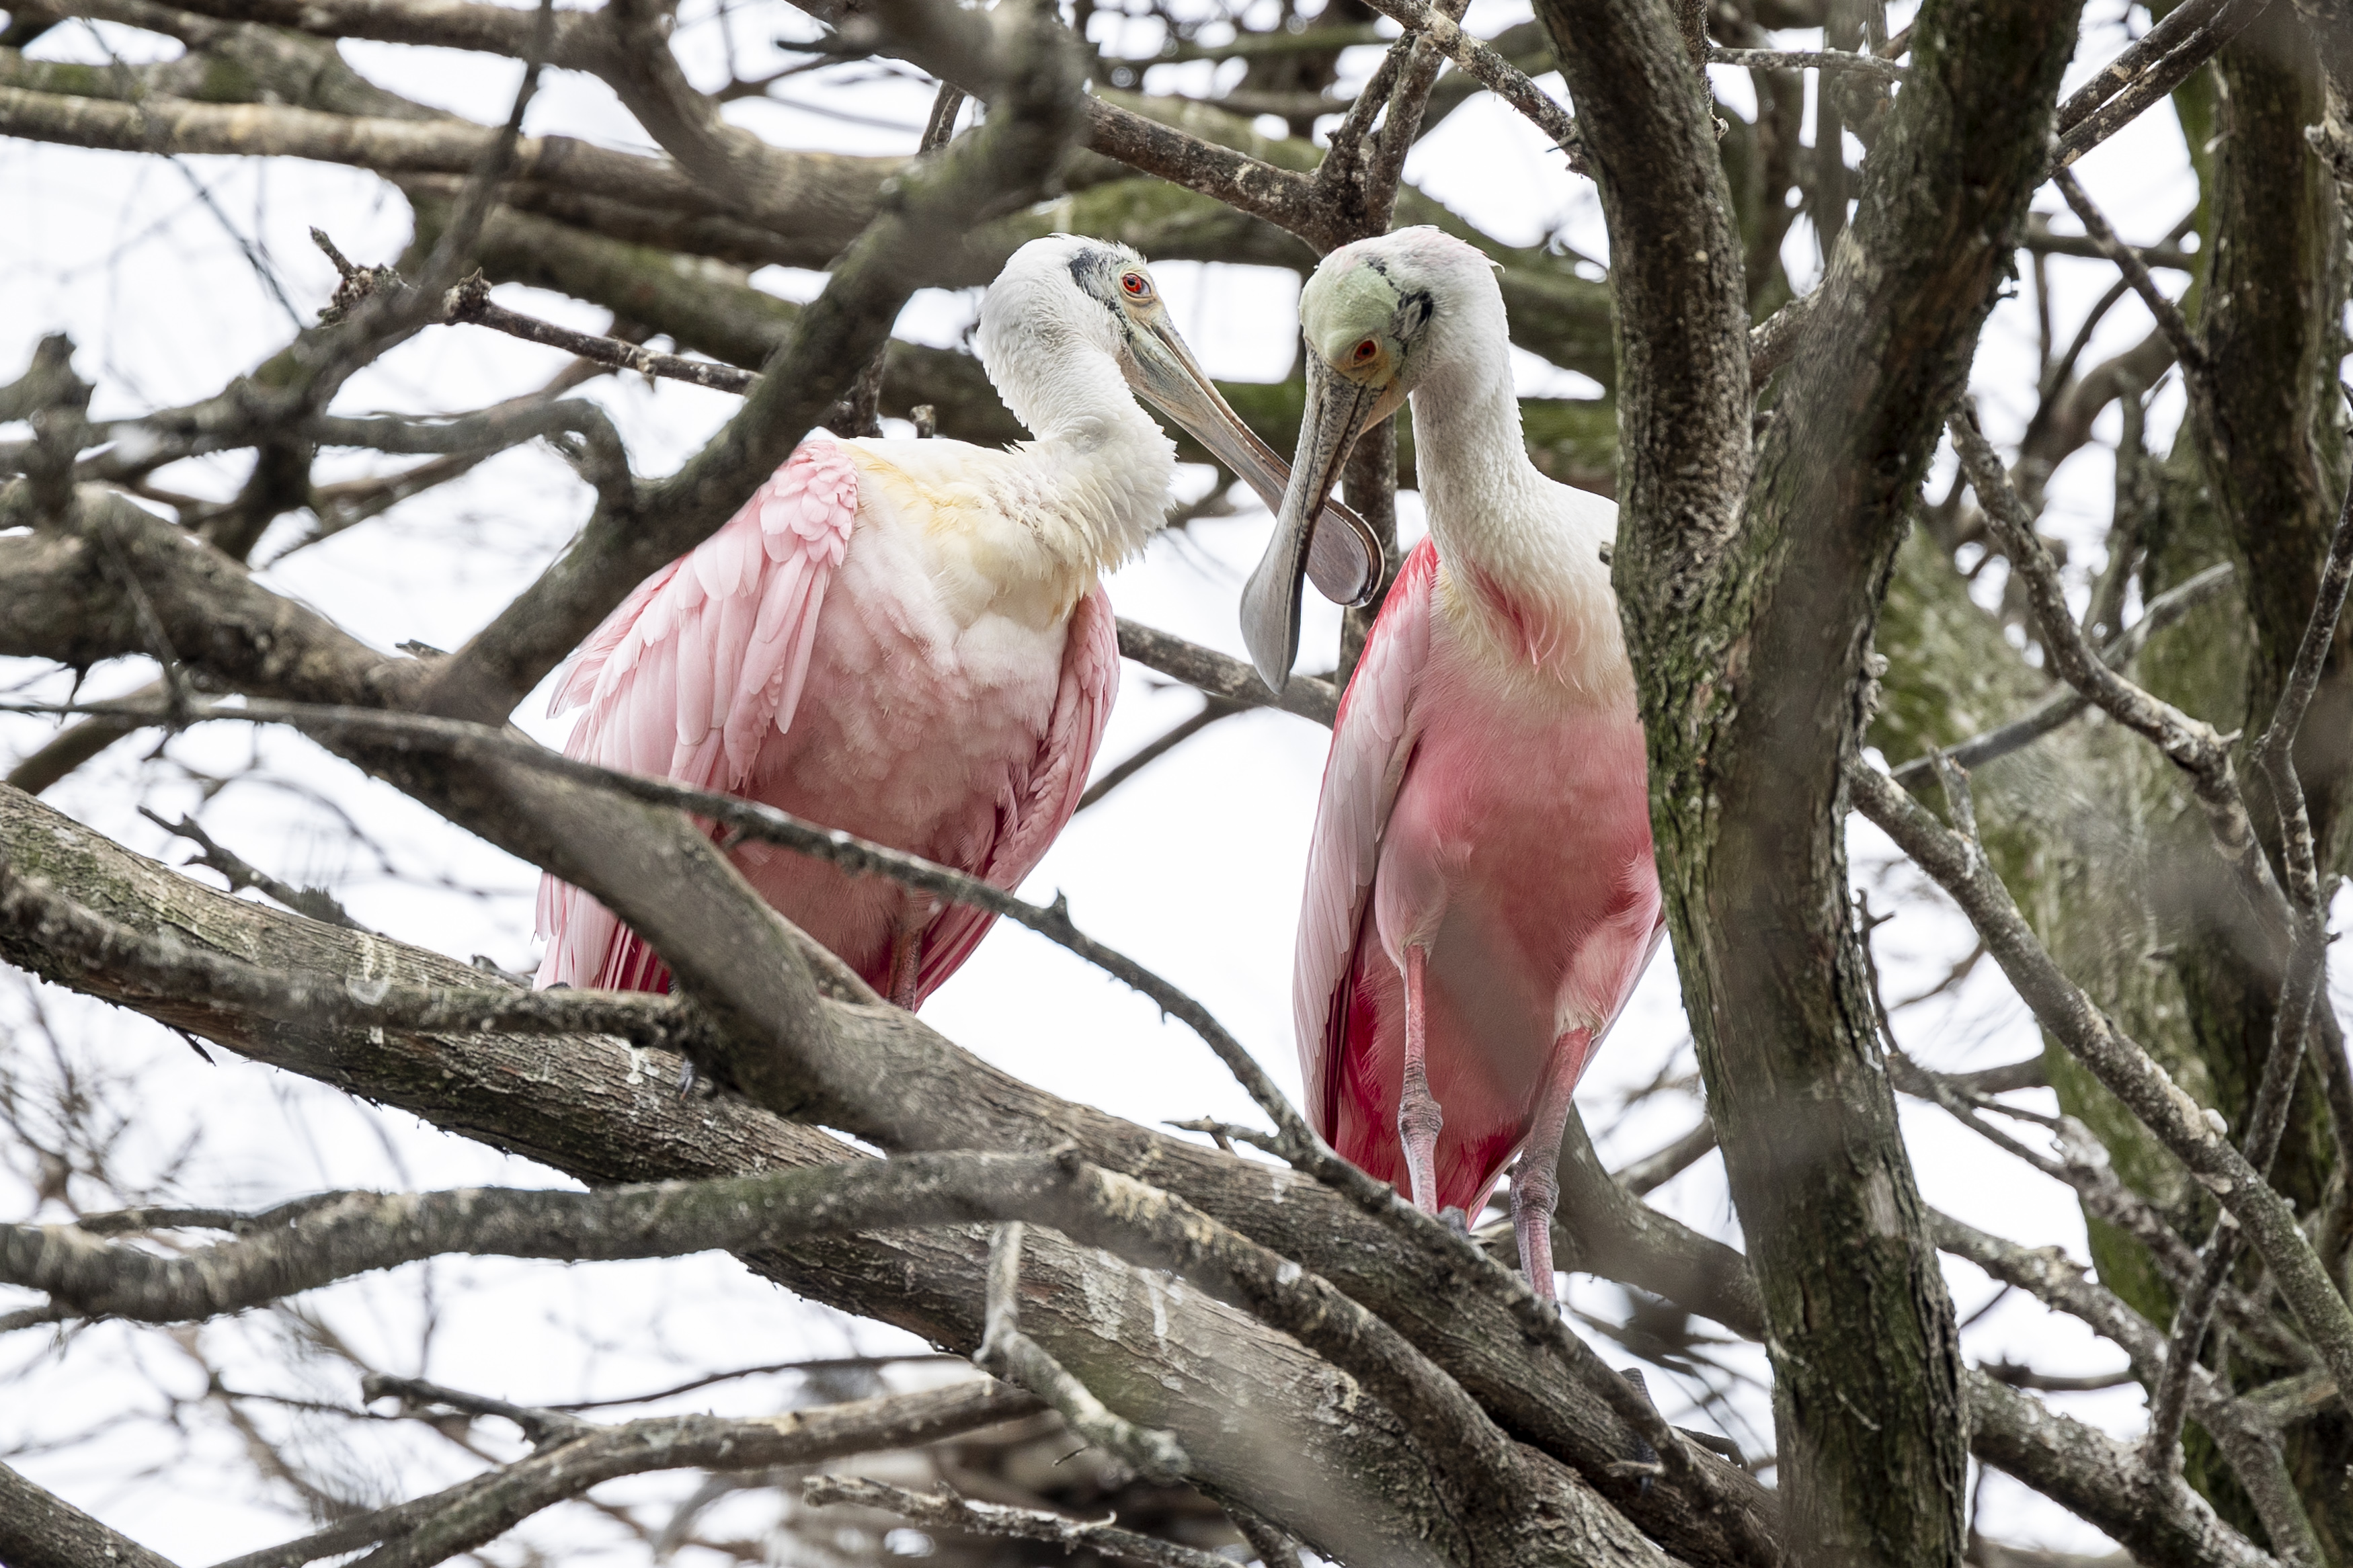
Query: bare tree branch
x,y
39,1530
1015,1356
433,1529
2207,29
945,1511
2190,744
538,1099
2061,707
1960,865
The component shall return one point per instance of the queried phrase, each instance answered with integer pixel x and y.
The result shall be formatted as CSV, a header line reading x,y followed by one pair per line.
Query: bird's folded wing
x,y
684,681
1371,742
1043,804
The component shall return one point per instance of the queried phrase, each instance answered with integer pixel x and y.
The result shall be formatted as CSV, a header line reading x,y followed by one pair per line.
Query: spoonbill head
x,y
1374,317
1063,295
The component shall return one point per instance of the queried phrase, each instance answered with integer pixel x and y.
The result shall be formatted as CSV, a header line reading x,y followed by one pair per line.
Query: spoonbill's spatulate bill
x,y
1480,894
907,639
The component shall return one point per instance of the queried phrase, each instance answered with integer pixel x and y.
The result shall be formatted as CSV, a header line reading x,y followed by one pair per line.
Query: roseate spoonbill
x,y
1480,894
907,639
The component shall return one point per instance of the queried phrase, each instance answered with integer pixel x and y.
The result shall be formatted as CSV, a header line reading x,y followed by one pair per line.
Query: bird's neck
x,y
1520,555
1103,466
1474,471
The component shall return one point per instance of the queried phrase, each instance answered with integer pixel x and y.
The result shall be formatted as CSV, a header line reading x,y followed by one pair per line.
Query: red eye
x,y
1366,351
1136,285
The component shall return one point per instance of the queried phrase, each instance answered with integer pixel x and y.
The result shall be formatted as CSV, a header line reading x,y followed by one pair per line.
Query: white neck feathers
x,y
1520,554
1101,464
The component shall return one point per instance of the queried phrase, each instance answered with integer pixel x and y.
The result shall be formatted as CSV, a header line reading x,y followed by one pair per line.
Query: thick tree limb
x,y
1014,1355
40,1530
164,966
2085,1470
1095,1207
1748,583
2205,29
2059,1282
390,146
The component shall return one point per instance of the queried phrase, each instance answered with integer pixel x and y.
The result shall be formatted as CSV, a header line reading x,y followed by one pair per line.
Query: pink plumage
x,y
800,657
1505,823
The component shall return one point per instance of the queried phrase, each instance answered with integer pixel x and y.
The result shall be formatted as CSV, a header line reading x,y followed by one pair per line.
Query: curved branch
x,y
478,1509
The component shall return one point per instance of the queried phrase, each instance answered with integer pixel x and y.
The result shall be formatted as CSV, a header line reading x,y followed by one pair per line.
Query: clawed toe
x,y
1457,1222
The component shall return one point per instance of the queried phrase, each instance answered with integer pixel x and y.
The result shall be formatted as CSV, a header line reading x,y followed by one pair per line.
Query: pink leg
x,y
907,957
1419,1117
1535,1180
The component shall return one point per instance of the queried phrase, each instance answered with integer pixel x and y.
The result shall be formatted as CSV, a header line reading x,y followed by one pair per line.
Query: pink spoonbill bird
x,y
1480,893
907,639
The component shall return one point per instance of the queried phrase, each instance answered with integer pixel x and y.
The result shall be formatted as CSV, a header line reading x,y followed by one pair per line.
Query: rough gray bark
x,y
1307,1444
1750,586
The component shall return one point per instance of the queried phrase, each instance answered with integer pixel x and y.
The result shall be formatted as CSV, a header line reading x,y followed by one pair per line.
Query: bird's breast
x,y
1542,621
990,537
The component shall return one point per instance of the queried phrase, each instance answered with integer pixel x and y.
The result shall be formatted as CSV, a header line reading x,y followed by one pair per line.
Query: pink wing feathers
x,y
1371,741
1035,814
685,678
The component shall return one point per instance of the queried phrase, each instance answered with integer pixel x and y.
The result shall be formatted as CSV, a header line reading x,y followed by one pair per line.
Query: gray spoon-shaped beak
x,y
1342,554
1338,412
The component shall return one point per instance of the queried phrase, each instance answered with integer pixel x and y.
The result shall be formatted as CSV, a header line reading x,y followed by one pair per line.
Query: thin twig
x,y
1215,709
2190,744
474,306
2169,319
539,1427
1868,65
477,1509
944,1510
2061,706
315,902
1657,1169
1495,73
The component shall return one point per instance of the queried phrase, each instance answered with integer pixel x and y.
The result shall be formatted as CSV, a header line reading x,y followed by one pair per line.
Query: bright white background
x,y
1194,867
